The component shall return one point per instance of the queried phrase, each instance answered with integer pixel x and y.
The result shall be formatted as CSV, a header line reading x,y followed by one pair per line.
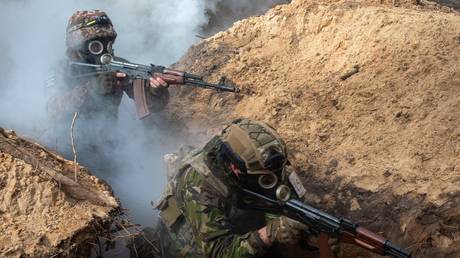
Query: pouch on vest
x,y
169,211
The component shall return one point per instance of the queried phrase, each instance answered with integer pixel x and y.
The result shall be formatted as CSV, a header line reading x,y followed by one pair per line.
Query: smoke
x,y
222,13
149,31
32,43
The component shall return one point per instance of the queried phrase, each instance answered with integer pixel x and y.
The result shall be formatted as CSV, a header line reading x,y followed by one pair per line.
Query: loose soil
x,y
44,212
366,95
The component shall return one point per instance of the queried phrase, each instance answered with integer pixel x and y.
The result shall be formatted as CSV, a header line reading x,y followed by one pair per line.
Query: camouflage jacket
x,y
200,218
95,95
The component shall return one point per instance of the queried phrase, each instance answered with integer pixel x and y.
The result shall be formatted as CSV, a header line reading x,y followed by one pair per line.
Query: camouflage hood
x,y
87,25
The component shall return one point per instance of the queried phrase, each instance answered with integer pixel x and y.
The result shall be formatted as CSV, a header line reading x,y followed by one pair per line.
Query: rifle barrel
x,y
219,87
395,251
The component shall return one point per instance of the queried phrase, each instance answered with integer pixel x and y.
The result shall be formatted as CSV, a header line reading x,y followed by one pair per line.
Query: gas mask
x,y
269,184
268,180
255,156
94,49
90,34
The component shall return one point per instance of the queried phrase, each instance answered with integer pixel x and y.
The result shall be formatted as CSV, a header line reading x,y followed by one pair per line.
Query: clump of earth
x,y
49,206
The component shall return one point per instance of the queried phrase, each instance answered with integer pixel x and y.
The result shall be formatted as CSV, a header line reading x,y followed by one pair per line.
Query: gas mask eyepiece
x,y
97,47
268,181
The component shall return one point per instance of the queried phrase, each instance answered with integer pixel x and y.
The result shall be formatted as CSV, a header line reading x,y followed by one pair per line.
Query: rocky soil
x,y
44,212
367,96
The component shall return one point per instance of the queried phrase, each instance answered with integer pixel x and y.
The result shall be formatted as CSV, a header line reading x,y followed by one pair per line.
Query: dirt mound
x,y
43,211
367,96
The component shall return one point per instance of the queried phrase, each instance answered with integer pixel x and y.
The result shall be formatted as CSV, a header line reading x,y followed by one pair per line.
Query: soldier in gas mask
x,y
200,212
90,34
96,98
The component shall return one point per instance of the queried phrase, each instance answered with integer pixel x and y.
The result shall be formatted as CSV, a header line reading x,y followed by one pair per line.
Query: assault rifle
x,y
323,225
138,73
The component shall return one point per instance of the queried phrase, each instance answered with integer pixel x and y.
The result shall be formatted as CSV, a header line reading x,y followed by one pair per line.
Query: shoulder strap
x,y
196,161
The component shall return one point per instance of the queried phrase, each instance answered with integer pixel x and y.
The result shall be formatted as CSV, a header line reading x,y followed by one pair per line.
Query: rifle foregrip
x,y
173,72
370,240
374,243
170,78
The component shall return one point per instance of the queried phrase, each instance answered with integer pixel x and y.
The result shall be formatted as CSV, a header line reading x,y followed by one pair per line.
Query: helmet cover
x,y
87,25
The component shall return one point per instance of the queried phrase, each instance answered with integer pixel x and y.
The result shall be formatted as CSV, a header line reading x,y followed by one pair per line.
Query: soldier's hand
x,y
336,247
284,230
120,75
158,83
121,78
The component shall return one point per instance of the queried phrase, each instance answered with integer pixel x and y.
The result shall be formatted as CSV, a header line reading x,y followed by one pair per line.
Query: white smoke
x,y
223,13
149,31
32,41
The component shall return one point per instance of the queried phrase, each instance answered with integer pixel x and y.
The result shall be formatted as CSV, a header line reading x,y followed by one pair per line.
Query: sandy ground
x,y
367,96
43,211
365,93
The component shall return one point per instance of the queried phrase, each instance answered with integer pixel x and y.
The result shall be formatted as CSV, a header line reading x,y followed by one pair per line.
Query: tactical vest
x,y
179,235
169,203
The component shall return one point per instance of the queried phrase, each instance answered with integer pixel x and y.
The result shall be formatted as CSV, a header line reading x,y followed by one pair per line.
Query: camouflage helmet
x,y
257,144
87,25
